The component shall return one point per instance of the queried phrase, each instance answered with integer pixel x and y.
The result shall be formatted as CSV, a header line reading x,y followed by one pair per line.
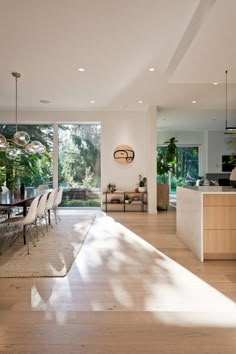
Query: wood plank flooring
x,y
134,288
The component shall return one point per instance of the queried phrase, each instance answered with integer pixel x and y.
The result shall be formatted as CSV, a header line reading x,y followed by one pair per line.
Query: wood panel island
x,y
206,221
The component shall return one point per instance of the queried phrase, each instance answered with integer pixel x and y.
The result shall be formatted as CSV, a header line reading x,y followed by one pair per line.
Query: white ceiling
x,y
190,43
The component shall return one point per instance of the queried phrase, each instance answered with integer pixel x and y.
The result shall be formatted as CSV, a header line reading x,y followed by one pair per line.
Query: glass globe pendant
x,y
3,143
13,153
2,139
21,138
35,147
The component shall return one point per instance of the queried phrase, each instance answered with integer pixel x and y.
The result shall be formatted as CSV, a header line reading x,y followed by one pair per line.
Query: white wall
x,y
217,146
184,138
118,128
127,129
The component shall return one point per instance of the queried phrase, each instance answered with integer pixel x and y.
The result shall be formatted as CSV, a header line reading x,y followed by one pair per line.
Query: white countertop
x,y
212,189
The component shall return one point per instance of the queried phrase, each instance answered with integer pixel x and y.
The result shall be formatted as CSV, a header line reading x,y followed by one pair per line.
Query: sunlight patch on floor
x,y
132,275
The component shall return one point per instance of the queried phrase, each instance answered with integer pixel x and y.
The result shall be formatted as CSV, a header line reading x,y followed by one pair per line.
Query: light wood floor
x,y
137,291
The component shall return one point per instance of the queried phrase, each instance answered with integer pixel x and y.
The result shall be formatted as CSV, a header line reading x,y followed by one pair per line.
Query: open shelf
x,y
137,200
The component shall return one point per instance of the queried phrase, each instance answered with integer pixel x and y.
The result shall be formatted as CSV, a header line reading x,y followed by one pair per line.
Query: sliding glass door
x,y
79,169
73,161
186,166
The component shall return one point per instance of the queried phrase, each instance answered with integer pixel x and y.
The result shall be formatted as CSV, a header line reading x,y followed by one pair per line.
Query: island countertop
x,y
211,189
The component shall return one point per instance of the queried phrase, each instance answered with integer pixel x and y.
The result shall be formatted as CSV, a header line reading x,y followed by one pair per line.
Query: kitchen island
x,y
206,221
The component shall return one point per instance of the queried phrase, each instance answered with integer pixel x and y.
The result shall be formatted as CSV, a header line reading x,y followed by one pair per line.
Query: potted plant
x,y
142,183
127,199
111,188
166,165
166,160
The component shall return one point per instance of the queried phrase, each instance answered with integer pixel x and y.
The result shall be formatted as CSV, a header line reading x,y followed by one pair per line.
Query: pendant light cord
x,y
226,125
16,106
16,76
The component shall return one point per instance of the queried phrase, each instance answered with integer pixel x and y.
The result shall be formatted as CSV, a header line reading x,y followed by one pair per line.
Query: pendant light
x,y
21,140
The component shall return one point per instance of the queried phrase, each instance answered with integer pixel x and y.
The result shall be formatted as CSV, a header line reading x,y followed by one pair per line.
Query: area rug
x,y
54,253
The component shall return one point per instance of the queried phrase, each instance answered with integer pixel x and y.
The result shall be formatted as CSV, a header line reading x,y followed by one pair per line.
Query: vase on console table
x,y
232,178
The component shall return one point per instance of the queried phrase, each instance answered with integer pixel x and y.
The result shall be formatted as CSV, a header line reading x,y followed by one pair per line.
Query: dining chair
x,y
41,211
57,202
5,211
26,221
50,203
7,237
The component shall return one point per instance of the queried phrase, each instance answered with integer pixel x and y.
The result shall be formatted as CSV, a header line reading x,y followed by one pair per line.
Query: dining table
x,y
12,199
15,199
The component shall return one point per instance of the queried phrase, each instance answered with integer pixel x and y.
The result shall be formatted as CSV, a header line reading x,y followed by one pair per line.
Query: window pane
x,y
186,169
32,170
79,164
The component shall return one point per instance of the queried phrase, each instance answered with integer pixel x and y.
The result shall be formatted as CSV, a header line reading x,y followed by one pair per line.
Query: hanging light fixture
x,y
21,140
228,130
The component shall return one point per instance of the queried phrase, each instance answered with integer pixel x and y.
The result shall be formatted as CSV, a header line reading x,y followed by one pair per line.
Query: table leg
x,y
24,234
24,227
24,209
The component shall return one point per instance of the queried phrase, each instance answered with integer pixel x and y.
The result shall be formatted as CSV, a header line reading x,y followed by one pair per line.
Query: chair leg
x,y
49,219
41,224
31,235
36,228
25,238
4,244
46,220
55,215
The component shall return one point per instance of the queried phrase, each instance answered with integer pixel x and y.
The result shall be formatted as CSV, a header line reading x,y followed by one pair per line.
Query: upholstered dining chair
x,y
26,221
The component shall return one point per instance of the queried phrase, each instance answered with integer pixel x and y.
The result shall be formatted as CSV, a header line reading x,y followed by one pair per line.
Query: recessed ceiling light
x,y
92,101
215,83
44,101
151,69
140,101
194,101
81,69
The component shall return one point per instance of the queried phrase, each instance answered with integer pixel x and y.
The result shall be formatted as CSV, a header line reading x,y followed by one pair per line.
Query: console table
x,y
137,199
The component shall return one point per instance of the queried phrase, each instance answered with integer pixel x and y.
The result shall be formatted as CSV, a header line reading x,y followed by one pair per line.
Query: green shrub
x,y
80,203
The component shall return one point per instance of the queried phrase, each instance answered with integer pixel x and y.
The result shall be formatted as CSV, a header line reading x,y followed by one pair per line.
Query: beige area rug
x,y
53,255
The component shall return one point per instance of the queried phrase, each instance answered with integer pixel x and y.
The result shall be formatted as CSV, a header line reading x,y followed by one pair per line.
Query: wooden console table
x,y
120,195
